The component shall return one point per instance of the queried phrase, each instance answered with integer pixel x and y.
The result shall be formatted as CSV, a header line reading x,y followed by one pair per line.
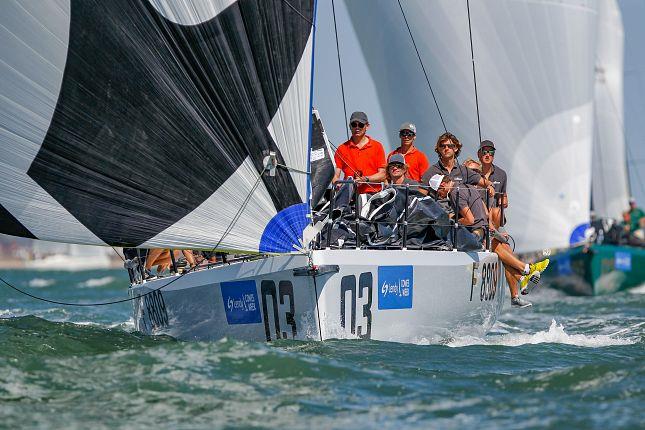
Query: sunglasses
x,y
488,152
447,145
396,166
406,133
356,124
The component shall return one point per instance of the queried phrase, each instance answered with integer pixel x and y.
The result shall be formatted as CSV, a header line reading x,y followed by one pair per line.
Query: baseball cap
x,y
359,116
486,143
396,158
435,182
408,126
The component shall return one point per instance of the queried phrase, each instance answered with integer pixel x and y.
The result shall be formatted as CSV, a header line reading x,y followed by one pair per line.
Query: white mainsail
x,y
610,190
534,63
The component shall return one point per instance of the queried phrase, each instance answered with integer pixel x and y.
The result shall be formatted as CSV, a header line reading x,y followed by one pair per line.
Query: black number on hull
x,y
348,284
365,282
285,289
154,312
490,278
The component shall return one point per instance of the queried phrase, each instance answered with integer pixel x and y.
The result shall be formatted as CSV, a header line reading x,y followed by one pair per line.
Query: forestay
x,y
146,122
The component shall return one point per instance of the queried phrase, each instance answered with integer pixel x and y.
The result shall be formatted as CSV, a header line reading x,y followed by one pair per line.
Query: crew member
x,y
361,157
635,215
448,148
415,160
472,213
397,170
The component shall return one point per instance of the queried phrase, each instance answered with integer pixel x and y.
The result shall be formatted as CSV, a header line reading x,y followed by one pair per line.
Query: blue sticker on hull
x,y
623,261
241,302
564,266
395,287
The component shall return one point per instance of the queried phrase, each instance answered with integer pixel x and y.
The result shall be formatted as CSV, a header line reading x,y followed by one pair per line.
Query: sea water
x,y
567,362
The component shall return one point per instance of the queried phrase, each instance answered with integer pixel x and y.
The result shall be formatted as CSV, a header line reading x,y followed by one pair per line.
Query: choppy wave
x,y
96,282
555,334
41,282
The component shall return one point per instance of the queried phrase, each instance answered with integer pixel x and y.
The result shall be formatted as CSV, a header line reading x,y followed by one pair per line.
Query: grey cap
x,y
359,116
486,143
408,126
396,158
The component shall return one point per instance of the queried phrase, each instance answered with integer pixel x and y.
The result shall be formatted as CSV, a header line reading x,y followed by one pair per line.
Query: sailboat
x,y
596,264
188,125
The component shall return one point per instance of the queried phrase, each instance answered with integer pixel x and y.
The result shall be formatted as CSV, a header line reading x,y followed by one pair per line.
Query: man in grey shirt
x,y
473,215
448,148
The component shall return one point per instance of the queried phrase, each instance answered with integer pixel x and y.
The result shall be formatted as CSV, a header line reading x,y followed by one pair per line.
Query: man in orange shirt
x,y
415,160
361,157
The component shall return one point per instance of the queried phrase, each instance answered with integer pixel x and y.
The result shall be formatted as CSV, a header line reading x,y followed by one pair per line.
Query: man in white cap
x,y
415,160
472,214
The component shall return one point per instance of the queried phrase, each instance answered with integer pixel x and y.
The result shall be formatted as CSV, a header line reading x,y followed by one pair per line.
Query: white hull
x,y
393,295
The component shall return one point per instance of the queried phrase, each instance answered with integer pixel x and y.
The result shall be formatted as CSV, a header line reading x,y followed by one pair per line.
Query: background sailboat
x,y
604,267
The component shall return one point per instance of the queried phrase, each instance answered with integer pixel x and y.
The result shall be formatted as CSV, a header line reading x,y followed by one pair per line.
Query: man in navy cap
x,y
496,175
361,157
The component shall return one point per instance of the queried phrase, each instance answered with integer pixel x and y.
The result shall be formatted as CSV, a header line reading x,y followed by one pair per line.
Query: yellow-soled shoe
x,y
535,270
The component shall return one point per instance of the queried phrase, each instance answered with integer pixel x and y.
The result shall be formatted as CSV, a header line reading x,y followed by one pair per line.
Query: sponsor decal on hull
x,y
241,302
395,287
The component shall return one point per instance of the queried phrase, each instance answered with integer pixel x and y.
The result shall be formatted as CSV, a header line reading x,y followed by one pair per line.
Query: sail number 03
x,y
364,292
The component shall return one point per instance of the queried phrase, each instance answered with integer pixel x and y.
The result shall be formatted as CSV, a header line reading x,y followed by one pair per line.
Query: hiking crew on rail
x,y
363,159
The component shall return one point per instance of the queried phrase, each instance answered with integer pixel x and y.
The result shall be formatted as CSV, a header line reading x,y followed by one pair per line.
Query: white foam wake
x,y
638,290
96,282
555,334
40,282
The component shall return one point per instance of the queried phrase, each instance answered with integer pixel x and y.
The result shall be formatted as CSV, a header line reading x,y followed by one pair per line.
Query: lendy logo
x,y
401,288
396,283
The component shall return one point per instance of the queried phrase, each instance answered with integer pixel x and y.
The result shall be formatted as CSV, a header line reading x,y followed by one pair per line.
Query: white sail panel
x,y
289,126
247,225
609,184
534,63
190,12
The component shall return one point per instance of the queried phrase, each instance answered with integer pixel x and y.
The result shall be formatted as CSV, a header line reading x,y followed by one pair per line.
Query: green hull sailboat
x,y
596,269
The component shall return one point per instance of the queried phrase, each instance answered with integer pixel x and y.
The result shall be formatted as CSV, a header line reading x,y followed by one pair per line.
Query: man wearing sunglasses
x,y
493,173
415,160
497,176
448,148
361,157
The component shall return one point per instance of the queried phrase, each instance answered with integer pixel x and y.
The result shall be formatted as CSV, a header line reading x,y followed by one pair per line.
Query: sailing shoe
x,y
535,271
517,302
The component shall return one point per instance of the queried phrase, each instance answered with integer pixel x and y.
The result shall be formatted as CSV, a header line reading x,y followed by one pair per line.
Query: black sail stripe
x,y
154,116
10,225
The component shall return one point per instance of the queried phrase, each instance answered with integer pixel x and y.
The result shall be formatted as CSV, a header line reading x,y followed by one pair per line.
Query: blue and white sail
x,y
146,122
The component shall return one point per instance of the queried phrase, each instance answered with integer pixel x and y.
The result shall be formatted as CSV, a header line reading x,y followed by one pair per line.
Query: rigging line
x,y
472,57
293,169
340,68
423,68
129,299
298,12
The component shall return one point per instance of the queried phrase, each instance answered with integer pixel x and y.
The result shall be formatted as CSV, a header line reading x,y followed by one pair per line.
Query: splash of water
x,y
555,334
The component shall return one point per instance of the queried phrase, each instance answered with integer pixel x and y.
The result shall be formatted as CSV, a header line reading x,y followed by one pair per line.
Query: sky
x,y
633,12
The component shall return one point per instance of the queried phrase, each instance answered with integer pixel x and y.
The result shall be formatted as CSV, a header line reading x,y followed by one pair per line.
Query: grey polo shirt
x,y
497,175
472,197
460,174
